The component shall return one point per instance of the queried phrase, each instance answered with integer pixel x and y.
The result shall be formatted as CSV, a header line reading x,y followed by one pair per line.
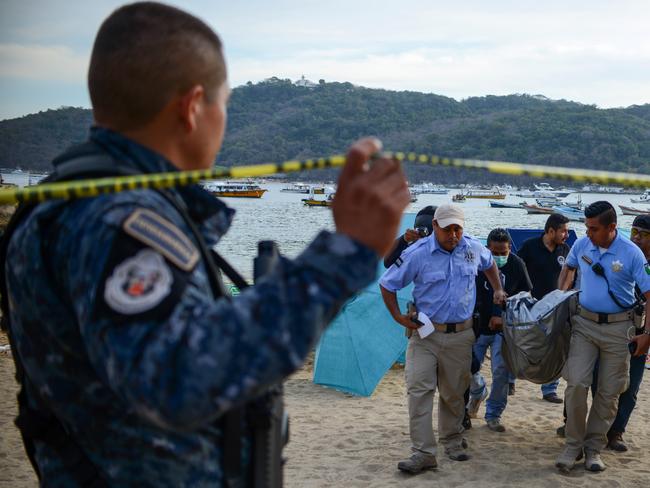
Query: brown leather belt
x,y
606,318
453,328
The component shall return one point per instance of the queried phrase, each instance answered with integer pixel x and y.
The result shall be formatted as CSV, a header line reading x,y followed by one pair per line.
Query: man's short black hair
x,y
498,235
603,210
424,218
642,222
146,53
555,221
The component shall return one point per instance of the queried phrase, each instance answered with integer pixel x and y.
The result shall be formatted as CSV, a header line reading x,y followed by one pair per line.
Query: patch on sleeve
x,y
163,236
139,283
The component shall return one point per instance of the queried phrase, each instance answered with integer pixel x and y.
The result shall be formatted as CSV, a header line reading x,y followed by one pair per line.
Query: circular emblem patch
x,y
561,260
139,283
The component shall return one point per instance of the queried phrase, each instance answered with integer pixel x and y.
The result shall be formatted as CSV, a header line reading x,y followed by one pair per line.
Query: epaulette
x,y
162,236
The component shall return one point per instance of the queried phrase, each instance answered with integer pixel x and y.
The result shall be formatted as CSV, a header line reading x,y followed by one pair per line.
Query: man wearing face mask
x,y
443,269
514,278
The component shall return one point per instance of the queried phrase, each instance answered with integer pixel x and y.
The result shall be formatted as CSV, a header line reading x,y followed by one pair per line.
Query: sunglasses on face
x,y
635,231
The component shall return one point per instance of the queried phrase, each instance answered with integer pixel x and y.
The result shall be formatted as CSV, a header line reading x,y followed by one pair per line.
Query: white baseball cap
x,y
449,214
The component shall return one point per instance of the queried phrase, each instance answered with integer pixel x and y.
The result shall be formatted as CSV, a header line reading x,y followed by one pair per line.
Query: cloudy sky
x,y
595,52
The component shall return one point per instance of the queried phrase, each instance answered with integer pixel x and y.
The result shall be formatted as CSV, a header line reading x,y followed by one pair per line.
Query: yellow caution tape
x,y
93,187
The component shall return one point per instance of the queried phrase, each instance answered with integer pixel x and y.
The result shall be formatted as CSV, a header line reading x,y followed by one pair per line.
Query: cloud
x,y
40,62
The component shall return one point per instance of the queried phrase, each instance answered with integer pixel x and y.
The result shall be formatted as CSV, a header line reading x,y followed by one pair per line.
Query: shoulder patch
x,y
139,283
163,236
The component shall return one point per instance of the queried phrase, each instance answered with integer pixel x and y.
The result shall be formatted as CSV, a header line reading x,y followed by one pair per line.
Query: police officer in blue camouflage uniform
x,y
122,339
603,330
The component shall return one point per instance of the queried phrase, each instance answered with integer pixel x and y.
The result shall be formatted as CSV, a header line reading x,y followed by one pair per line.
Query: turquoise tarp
x,y
363,341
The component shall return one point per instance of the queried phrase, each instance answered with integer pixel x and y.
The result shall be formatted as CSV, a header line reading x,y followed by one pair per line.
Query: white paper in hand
x,y
427,328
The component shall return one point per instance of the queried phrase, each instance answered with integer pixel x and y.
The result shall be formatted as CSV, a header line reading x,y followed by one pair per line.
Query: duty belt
x,y
453,328
606,318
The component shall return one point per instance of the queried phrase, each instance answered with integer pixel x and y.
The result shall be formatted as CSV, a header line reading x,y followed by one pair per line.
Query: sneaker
x,y
474,403
567,460
417,463
511,389
495,425
593,461
553,398
615,441
457,453
561,431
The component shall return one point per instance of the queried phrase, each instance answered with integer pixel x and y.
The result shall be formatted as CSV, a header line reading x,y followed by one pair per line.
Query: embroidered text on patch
x,y
139,283
163,236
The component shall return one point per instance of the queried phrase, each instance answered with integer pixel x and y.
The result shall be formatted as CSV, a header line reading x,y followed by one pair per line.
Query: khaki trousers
x,y
444,361
607,343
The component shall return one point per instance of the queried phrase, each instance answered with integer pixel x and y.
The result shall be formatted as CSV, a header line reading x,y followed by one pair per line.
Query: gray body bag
x,y
537,334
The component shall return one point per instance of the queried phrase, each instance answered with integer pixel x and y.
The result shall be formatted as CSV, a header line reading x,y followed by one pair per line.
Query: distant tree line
x,y
276,120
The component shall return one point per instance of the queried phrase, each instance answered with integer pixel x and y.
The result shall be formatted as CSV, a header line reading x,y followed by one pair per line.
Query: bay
x,y
282,217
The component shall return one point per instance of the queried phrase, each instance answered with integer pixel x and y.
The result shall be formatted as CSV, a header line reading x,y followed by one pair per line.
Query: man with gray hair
x,y
443,269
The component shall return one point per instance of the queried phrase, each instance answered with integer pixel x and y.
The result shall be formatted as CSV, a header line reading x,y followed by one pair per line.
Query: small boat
x,y
312,202
645,198
570,213
414,197
536,209
458,198
235,190
633,211
304,188
495,204
429,189
495,194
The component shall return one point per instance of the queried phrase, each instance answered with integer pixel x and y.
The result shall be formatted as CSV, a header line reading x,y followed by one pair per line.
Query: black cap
x,y
424,217
642,221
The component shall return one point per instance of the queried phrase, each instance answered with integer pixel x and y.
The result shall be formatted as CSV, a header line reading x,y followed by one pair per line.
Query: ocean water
x,y
283,217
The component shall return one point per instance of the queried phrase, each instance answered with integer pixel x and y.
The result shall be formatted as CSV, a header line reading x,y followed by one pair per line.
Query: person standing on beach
x,y
133,356
443,268
514,278
640,235
610,268
544,257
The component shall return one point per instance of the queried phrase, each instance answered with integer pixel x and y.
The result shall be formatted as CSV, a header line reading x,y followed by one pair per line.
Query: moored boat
x,y
494,194
633,211
645,198
495,204
537,209
235,190
312,202
570,213
458,198
304,188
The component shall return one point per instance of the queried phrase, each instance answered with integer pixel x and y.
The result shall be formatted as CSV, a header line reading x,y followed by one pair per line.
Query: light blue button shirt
x,y
624,265
444,283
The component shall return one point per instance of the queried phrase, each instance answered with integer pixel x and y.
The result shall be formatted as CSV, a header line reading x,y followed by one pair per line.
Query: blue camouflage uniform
x,y
125,342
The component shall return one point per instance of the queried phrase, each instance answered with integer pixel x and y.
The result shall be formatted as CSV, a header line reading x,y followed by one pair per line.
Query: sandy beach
x,y
339,440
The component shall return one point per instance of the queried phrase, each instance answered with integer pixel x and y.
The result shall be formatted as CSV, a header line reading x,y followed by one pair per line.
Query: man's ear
x,y
190,106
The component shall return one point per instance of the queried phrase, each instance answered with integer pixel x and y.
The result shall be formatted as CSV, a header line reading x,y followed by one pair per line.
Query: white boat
x,y
494,193
303,188
633,211
570,213
429,189
645,198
